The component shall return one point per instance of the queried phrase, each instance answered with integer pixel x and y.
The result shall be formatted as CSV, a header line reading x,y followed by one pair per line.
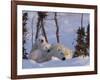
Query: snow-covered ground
x,y
56,63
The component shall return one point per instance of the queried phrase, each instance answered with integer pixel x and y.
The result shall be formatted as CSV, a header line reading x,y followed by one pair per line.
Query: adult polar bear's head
x,y
61,52
57,51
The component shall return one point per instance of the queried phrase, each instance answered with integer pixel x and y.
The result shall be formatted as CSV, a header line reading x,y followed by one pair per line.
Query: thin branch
x,y
43,29
32,30
37,30
40,24
57,27
82,20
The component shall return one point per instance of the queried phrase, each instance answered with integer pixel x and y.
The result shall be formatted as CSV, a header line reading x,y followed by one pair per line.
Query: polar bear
x,y
40,43
45,54
39,50
39,56
59,48
57,51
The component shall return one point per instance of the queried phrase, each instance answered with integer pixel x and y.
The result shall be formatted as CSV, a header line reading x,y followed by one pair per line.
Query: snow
x,y
56,63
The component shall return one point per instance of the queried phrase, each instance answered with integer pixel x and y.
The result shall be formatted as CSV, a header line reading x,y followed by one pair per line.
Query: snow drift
x,y
56,63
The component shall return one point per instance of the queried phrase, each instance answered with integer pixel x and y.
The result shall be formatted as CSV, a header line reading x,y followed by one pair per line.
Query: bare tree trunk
x,y
82,20
32,31
57,30
40,25
43,29
37,31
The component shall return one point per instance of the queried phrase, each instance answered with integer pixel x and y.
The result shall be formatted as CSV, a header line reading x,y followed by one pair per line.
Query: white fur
x,y
38,45
57,51
38,56
68,53
40,50
42,55
38,42
60,48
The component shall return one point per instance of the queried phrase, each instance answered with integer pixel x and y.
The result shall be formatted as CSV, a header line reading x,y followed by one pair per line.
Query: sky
x,y
68,25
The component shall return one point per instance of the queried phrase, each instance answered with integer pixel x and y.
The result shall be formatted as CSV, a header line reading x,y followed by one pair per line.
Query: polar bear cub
x,y
40,55
40,43
40,50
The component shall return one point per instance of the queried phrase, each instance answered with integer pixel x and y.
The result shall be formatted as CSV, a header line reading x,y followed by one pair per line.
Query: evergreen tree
x,y
25,18
80,47
82,41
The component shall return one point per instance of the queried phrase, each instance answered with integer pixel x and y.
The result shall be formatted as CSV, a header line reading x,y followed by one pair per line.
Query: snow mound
x,y
56,63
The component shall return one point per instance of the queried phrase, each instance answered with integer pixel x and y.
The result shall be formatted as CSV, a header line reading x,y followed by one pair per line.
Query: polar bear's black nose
x,y
48,50
63,58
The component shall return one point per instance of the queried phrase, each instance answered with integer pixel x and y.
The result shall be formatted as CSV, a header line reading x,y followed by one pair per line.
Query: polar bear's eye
x,y
48,50
41,41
